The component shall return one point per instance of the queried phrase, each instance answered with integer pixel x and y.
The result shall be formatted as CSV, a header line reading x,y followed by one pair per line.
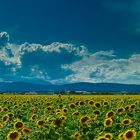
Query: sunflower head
x,y
61,106
18,125
1,109
122,101
18,111
127,108
97,104
77,103
133,106
58,122
84,119
5,109
110,114
65,110
120,110
11,115
14,135
108,122
130,135
5,118
81,103
102,138
121,136
126,122
26,131
97,112
1,125
40,123
91,102
105,103
58,110
77,135
76,113
63,118
108,136
50,108
72,106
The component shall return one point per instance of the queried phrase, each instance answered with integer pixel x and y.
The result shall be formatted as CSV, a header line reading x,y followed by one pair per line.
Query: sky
x,y
66,41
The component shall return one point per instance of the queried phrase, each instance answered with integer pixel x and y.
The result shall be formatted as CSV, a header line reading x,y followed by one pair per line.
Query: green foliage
x,y
46,119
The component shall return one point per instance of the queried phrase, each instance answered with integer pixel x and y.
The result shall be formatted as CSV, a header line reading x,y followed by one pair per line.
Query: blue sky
x,y
65,41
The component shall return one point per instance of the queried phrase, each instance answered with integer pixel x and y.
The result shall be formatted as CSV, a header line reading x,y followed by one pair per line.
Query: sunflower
x,y
81,103
122,101
97,104
105,103
1,125
130,135
24,105
93,117
50,108
86,101
61,106
72,106
108,136
84,120
1,109
64,110
126,122
11,115
108,122
14,135
57,122
5,118
18,124
77,103
110,114
77,135
96,112
120,110
18,111
102,138
58,110
48,103
34,117
75,113
63,118
133,106
58,113
40,123
26,131
121,136
91,102
127,108
5,109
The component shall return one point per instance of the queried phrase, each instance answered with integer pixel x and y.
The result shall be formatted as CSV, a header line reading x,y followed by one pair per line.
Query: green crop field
x,y
58,117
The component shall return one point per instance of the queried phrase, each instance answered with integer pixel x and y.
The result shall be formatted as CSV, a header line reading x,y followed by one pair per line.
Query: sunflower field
x,y
69,117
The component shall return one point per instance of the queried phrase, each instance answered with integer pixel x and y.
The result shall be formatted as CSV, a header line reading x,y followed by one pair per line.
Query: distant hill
x,y
83,86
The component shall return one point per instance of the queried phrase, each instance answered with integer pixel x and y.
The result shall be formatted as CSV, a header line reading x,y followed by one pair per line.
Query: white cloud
x,y
63,62
38,61
4,38
56,47
104,66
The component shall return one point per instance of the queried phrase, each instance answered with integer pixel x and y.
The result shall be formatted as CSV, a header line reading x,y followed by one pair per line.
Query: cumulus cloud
x,y
65,63
4,38
104,66
39,61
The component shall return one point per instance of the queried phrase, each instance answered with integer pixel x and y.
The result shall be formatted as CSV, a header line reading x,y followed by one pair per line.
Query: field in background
x,y
69,117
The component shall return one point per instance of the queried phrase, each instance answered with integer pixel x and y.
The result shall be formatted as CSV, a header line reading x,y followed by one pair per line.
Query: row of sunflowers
x,y
67,117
